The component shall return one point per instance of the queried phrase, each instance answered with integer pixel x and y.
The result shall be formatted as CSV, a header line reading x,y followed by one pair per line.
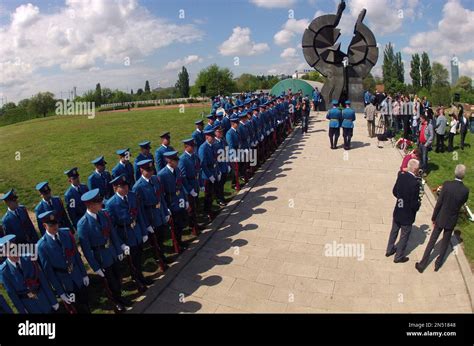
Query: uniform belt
x,y
122,226
61,270
99,247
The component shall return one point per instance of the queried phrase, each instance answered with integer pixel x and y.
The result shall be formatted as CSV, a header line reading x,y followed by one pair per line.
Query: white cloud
x,y
273,3
239,43
454,33
288,53
290,29
81,35
176,64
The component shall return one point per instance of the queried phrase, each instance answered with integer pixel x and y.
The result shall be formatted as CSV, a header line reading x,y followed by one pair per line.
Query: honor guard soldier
x,y
175,196
220,116
143,155
4,307
165,147
16,220
102,247
62,264
223,167
100,178
25,282
210,122
232,139
225,123
348,118
124,166
335,118
208,171
72,197
189,167
129,224
50,202
153,206
198,135
244,138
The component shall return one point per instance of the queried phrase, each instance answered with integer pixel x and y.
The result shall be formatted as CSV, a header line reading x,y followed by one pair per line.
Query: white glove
x,y
100,273
212,179
167,218
144,238
150,229
202,188
120,257
261,137
268,132
186,205
85,281
219,176
228,169
65,298
125,249
272,130
55,307
193,193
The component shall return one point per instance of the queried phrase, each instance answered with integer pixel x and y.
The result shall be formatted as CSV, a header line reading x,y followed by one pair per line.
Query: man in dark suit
x,y
463,125
453,196
406,191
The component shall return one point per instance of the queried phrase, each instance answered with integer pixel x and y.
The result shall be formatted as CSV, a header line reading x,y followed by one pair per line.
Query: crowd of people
x,y
417,121
118,213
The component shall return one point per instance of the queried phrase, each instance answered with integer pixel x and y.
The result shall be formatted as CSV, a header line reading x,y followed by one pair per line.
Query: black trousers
x,y
463,138
439,143
192,216
431,244
136,266
450,141
219,188
406,126
180,219
209,190
114,280
81,299
334,133
305,124
347,135
402,243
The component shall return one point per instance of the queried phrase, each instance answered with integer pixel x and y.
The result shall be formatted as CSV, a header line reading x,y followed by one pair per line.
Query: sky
x,y
57,45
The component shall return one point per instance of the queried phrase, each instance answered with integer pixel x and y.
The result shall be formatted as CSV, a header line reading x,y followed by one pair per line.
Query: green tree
x,y
389,71
415,73
42,103
399,68
440,74
139,91
147,87
425,69
182,84
98,95
314,76
216,80
465,83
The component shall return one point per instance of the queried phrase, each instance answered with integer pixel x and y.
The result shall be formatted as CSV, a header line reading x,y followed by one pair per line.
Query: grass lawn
x,y
441,167
42,149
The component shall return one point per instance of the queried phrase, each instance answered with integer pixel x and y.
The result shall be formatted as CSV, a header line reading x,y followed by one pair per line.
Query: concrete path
x,y
280,249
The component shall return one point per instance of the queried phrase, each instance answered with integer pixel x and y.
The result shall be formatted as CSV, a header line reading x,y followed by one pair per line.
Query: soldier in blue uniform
x,y
100,178
165,147
72,197
175,195
62,265
129,224
244,139
335,118
189,167
223,167
348,118
198,135
152,206
50,202
4,307
16,220
211,118
26,283
124,166
209,172
143,155
233,141
102,247
225,123
219,116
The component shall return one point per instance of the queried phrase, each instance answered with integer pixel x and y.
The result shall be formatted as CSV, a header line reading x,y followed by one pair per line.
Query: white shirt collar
x,y
51,200
75,187
412,173
198,130
118,194
12,211
164,145
146,179
170,168
458,179
92,214
13,263
188,153
233,128
49,234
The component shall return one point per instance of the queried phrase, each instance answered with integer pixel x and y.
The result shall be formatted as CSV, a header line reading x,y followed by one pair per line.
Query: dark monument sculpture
x,y
344,72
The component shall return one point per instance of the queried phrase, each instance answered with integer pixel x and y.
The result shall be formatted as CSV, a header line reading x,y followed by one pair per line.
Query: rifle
x,y
158,254
176,246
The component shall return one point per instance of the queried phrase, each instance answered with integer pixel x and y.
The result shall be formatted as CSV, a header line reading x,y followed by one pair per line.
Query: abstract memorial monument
x,y
344,72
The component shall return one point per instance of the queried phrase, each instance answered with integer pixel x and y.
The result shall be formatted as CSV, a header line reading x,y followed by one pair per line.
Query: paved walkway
x,y
270,255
